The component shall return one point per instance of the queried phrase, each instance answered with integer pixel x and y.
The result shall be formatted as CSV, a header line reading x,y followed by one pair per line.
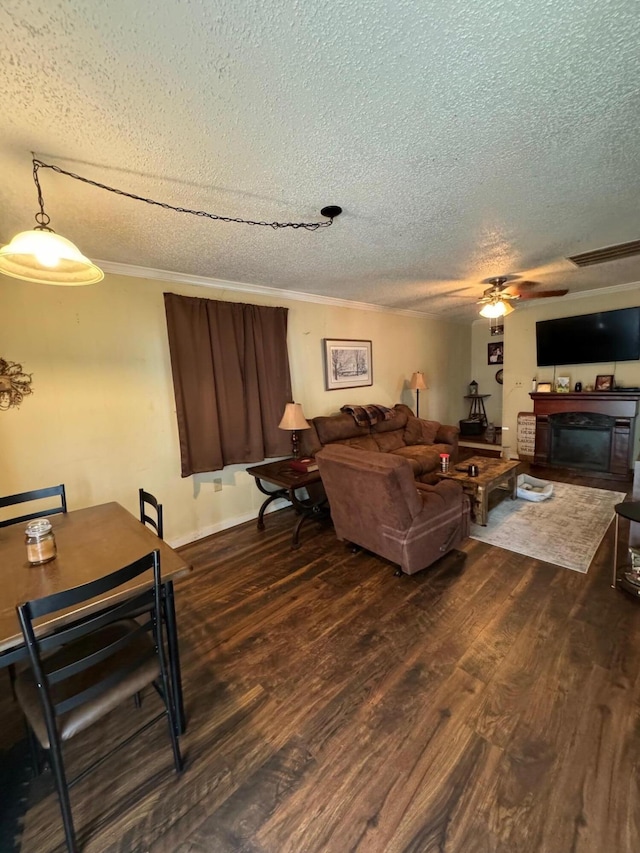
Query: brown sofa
x,y
417,440
376,504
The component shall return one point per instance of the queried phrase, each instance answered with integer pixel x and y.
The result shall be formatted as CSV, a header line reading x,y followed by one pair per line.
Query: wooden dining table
x,y
91,543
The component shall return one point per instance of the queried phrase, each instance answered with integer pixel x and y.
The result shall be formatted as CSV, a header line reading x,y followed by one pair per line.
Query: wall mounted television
x,y
589,338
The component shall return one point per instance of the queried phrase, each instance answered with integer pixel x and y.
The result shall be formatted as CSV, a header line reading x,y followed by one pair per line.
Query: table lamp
x,y
417,384
294,420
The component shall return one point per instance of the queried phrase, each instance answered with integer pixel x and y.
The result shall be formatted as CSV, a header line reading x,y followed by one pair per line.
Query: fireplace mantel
x,y
621,405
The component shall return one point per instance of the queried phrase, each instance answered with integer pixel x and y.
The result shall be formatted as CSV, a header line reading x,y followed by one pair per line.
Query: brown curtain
x,y
231,380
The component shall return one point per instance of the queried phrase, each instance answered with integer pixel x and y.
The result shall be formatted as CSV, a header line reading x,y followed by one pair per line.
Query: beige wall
x,y
484,373
520,351
102,415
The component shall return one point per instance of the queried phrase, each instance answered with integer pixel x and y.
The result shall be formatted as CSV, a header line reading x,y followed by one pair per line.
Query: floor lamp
x,y
417,384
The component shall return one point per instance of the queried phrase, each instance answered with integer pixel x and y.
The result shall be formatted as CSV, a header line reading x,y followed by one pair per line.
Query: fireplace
x,y
587,431
581,440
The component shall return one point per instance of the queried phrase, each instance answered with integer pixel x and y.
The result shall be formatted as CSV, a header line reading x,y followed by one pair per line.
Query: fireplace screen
x,y
581,440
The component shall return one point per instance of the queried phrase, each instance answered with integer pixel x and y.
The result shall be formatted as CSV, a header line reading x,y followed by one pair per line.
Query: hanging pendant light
x,y
45,257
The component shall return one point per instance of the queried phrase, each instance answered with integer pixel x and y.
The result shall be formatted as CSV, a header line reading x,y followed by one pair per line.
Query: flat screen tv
x,y
589,338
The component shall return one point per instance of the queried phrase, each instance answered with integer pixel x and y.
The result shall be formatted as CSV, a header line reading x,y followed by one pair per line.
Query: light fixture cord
x,y
41,217
42,225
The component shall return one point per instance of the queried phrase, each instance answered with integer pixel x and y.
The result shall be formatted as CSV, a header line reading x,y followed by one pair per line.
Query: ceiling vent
x,y
609,253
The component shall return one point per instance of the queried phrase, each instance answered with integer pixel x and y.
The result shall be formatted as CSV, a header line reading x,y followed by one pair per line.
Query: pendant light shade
x,y
493,309
497,308
45,257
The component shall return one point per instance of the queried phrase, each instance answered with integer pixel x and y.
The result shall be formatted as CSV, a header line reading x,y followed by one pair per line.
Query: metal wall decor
x,y
15,385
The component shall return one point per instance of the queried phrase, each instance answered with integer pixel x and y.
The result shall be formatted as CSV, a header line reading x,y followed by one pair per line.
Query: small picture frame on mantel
x,y
604,382
544,388
563,384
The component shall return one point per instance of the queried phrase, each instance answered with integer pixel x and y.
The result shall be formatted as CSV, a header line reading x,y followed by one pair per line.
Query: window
x,y
231,381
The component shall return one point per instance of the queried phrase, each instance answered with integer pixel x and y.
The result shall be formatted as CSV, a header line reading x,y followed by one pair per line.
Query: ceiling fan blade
x,y
451,294
525,285
546,294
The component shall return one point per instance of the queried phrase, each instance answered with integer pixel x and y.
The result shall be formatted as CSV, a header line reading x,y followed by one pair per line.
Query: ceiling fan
x,y
496,299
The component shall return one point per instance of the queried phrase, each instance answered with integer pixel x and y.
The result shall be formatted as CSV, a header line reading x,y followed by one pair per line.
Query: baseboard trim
x,y
179,541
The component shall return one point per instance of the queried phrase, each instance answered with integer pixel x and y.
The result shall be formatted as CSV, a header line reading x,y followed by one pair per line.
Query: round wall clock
x,y
499,377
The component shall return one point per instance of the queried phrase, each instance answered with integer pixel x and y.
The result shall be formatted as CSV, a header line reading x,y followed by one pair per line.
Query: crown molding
x,y
256,289
134,271
599,291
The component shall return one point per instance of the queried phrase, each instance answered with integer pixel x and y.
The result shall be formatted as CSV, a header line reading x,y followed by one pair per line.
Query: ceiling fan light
x,y
494,309
44,257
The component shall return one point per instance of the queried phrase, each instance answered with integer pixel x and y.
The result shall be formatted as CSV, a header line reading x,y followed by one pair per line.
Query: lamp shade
x,y
47,258
293,417
417,382
494,309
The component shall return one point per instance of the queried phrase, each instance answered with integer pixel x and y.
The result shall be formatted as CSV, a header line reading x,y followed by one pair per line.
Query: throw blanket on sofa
x,y
369,415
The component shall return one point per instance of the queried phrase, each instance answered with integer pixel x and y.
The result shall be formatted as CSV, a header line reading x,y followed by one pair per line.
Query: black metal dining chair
x,y
81,672
38,494
147,499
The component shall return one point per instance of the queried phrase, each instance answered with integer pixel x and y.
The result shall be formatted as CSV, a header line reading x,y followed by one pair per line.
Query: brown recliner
x,y
376,503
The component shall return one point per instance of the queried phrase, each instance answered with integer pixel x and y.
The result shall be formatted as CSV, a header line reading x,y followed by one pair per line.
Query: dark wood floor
x,y
489,705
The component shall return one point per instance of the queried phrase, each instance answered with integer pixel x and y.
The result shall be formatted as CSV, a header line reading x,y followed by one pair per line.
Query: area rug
x,y
565,530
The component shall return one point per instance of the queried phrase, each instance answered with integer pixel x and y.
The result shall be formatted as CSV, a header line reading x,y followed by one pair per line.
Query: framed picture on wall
x,y
495,352
347,364
497,330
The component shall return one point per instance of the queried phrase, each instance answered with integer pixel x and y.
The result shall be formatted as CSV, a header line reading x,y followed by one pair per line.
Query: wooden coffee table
x,y
492,474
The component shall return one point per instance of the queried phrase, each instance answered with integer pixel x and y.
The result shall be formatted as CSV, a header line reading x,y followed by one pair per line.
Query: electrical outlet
x,y
518,383
217,484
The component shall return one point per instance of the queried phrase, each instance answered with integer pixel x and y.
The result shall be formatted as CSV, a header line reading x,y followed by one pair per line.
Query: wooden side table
x,y
477,410
288,482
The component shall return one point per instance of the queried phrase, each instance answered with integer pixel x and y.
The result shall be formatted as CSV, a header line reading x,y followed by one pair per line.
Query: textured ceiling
x,y
464,139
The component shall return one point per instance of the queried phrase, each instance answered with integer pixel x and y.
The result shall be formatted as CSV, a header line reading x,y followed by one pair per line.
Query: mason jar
x,y
40,542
